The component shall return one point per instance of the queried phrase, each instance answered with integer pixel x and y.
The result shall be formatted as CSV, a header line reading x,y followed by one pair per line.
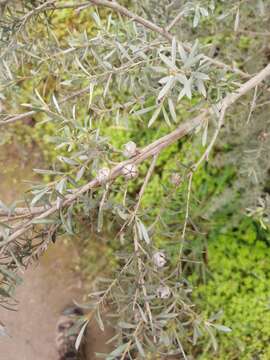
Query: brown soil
x,y
48,285
47,288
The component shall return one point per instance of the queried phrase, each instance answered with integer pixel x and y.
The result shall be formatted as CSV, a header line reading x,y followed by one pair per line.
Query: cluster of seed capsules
x,y
129,171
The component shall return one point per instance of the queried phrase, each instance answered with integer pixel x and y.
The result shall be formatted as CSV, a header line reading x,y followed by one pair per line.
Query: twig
x,y
141,279
146,180
180,346
255,33
102,202
114,282
253,104
187,206
131,340
175,21
213,140
185,224
24,212
17,117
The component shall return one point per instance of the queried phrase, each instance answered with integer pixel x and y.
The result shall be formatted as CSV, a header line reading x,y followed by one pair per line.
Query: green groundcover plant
x,y
239,287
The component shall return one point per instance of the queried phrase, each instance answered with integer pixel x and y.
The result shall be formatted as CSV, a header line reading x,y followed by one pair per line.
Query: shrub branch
x,y
149,151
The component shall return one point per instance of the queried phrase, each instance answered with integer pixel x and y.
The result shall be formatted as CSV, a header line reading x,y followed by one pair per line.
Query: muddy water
x,y
48,286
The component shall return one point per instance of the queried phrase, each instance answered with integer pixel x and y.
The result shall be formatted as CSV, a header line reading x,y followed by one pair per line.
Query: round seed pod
x,y
137,315
103,175
176,179
163,292
263,136
129,149
159,259
130,171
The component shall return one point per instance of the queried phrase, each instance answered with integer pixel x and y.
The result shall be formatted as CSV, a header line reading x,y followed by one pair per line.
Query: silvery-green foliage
x,y
120,73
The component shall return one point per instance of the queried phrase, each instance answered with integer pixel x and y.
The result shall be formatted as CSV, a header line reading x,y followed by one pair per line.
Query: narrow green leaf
x,y
172,109
154,116
38,196
139,347
99,321
182,52
222,328
11,275
167,61
45,221
166,88
166,117
47,172
144,110
237,20
173,51
205,132
4,293
117,352
125,325
80,335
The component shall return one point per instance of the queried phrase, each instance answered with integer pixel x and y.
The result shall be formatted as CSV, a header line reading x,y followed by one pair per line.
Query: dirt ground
x,y
48,286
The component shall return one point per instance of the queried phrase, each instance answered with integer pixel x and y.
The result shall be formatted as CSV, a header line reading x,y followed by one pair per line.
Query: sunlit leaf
x,y
154,116
80,335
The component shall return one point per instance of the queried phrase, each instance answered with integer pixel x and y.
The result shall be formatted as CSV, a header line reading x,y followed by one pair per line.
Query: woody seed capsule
x,y
163,292
103,175
130,149
176,179
159,259
130,171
